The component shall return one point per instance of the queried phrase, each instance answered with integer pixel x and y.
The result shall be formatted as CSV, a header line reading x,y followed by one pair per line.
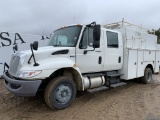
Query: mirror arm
x,y
35,64
30,59
85,51
91,24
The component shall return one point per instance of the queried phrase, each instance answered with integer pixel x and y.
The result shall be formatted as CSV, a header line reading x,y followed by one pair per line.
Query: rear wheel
x,y
60,93
147,78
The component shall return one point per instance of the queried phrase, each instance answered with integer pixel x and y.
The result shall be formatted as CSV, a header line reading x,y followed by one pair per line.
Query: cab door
x,y
89,59
113,50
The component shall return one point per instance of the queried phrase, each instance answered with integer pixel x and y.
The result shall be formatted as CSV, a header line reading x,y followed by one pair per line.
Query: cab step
x,y
102,88
114,75
113,79
117,84
94,90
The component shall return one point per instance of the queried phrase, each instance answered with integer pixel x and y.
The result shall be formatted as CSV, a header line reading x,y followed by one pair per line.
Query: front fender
x,y
56,63
48,66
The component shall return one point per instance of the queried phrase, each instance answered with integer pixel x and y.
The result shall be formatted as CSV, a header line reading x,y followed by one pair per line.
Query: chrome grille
x,y
14,64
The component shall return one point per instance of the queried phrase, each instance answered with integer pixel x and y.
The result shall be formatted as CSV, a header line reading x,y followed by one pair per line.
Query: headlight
x,y
28,74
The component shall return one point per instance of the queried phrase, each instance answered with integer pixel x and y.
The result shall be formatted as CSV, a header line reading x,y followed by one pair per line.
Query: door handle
x,y
100,60
97,51
119,59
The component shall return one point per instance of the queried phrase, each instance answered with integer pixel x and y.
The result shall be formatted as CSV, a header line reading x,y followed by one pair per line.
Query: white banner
x,y
8,40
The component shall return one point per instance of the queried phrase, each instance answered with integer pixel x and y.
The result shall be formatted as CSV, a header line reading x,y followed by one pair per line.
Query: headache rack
x,y
122,24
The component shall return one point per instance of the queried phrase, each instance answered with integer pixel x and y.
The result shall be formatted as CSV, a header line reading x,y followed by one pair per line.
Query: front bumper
x,y
21,87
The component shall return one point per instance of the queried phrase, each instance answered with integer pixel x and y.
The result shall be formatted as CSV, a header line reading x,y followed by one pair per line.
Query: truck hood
x,y
48,51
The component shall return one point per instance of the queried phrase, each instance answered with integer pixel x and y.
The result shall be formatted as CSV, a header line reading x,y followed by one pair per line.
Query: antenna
x,y
74,17
43,31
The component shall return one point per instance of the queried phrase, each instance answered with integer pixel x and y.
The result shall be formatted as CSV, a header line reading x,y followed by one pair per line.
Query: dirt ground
x,y
133,101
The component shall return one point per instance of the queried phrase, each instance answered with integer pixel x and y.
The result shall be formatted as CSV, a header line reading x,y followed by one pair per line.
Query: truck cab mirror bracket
x,y
33,46
85,51
96,36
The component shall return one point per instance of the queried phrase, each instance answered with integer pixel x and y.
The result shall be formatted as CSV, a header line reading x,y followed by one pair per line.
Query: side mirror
x,y
35,45
96,36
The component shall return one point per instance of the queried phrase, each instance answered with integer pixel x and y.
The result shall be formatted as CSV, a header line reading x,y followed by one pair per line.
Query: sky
x,y
42,17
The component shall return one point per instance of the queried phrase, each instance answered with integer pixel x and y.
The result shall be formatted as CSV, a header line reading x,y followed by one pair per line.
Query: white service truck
x,y
83,57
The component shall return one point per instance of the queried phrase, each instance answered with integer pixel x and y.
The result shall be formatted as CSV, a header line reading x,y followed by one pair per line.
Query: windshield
x,y
65,37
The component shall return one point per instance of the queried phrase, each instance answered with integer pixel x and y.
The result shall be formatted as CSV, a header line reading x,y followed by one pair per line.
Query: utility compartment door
x,y
140,69
149,56
132,64
157,64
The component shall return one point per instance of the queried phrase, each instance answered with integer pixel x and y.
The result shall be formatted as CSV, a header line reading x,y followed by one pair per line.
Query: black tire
x,y
147,78
60,93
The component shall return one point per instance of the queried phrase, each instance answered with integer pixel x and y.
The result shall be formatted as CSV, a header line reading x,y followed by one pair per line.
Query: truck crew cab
x,y
82,57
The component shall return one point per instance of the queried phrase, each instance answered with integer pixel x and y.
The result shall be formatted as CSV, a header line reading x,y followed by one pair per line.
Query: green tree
x,y
157,33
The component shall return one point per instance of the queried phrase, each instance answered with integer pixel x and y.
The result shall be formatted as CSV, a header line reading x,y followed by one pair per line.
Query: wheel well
x,y
151,67
70,73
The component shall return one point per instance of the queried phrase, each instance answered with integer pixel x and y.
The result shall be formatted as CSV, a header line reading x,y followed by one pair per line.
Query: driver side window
x,y
84,40
87,39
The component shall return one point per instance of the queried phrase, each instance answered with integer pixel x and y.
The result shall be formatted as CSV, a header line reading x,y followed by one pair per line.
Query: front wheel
x,y
60,93
147,78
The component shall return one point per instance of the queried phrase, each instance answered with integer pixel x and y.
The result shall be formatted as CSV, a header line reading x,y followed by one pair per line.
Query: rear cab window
x,y
112,39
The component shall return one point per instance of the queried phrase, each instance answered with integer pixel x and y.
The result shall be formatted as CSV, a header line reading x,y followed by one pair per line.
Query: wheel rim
x,y
63,93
